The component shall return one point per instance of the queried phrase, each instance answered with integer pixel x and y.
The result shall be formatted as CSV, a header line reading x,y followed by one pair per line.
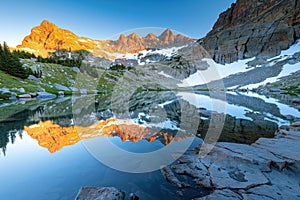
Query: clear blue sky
x,y
100,19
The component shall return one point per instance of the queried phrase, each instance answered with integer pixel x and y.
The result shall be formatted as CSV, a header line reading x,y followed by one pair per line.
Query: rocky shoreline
x,y
267,169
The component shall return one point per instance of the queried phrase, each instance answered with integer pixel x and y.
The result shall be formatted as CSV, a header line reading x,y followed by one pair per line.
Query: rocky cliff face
x,y
135,43
254,28
47,37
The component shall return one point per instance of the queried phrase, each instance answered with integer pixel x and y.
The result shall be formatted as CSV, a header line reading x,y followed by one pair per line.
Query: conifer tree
x,y
11,64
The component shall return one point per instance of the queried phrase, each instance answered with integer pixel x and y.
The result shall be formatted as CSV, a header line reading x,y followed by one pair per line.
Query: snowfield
x,y
218,71
215,72
168,52
286,70
165,75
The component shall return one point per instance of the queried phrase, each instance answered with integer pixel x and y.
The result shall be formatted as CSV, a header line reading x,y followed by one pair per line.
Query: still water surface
x,y
30,170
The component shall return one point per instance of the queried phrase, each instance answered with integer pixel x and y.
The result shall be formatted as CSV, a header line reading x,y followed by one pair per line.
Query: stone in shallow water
x,y
100,193
170,177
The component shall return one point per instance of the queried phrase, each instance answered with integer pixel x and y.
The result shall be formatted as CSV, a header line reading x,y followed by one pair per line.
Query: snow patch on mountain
x,y
142,56
219,71
289,52
29,50
165,75
215,72
82,40
286,70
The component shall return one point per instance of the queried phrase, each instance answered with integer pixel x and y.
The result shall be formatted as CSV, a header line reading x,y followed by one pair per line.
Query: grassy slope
x,y
52,73
10,82
93,79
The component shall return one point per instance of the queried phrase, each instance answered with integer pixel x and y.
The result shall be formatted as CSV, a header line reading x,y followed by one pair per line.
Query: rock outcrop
x,y
47,37
254,28
267,169
134,43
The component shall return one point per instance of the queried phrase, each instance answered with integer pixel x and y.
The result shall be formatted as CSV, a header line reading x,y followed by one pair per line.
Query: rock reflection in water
x,y
239,130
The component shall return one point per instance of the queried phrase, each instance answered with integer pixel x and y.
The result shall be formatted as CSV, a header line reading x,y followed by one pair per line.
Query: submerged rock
x,y
100,193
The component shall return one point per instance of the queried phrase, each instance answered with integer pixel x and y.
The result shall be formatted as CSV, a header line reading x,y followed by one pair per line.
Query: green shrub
x,y
62,61
5,95
23,54
10,63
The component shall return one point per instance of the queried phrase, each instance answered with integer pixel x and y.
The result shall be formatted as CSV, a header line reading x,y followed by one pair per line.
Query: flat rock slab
x,y
235,173
243,153
286,147
100,193
221,195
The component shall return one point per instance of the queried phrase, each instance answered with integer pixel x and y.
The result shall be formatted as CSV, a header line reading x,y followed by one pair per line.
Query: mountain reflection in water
x,y
54,137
